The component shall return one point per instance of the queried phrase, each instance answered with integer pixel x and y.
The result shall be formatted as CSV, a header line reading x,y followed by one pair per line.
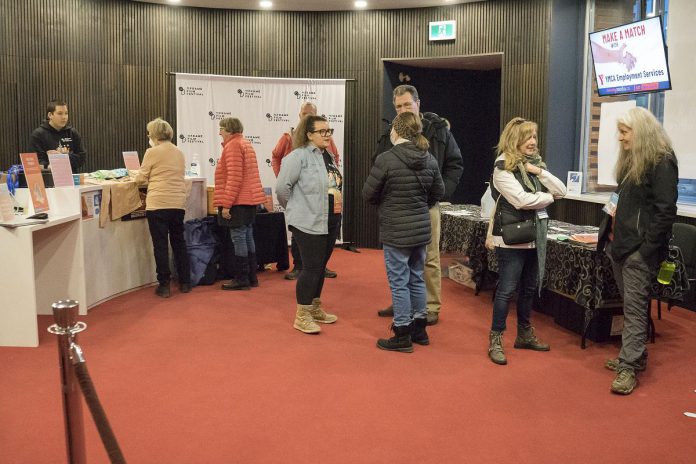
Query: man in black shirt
x,y
54,135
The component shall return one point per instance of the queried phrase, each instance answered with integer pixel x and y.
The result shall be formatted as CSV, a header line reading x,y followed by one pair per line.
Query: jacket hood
x,y
413,157
48,127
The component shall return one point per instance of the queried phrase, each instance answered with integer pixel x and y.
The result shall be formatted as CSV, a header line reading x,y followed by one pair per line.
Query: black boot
x,y
253,267
241,275
163,290
386,312
401,341
419,335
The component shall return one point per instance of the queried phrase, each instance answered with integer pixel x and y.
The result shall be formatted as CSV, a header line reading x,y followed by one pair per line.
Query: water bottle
x,y
195,169
664,275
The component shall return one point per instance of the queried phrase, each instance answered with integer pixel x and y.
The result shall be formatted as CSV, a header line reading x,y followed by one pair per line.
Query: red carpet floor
x,y
222,377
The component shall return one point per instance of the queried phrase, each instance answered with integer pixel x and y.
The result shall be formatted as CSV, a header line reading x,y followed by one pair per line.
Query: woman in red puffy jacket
x,y
237,193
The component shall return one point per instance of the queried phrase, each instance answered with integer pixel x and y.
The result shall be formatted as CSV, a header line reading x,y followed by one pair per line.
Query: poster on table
x,y
267,107
35,183
131,161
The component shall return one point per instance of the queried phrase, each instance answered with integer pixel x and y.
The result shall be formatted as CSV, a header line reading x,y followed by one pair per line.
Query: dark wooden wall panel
x,y
109,59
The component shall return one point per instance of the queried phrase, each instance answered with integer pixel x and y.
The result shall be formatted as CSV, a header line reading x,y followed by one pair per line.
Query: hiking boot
x,y
163,291
419,335
319,315
495,348
432,318
613,364
526,340
292,275
184,287
304,322
329,274
241,275
386,312
401,341
625,382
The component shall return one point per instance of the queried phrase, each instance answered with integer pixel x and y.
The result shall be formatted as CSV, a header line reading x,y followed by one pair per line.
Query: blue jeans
x,y
405,273
243,240
516,267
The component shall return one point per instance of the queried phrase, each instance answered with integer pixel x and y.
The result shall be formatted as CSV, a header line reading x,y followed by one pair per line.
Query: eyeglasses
x,y
323,132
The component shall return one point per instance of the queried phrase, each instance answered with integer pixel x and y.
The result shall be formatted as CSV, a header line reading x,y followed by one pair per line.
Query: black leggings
x,y
315,251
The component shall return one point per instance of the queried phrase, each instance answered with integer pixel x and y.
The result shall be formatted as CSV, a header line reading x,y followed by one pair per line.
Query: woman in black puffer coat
x,y
405,182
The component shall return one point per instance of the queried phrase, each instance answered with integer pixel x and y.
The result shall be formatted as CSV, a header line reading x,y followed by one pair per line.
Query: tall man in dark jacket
x,y
54,135
449,159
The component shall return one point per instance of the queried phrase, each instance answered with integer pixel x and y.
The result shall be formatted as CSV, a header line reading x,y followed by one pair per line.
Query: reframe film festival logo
x,y
191,138
219,115
337,118
249,93
278,117
305,95
191,90
253,139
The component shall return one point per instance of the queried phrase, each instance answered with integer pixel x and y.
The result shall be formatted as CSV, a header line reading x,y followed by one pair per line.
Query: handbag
x,y
519,232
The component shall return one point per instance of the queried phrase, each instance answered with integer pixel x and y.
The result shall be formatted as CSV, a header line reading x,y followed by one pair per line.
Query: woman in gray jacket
x,y
405,182
309,187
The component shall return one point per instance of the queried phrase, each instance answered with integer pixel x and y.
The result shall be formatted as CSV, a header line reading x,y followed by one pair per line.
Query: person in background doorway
x,y
309,187
444,149
237,192
522,188
405,182
636,229
55,135
283,149
163,171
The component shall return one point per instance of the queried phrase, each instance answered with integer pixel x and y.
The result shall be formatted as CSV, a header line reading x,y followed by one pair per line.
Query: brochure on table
x,y
35,183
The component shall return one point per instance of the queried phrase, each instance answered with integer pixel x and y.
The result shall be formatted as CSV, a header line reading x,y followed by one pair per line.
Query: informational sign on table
x,y
35,183
131,161
61,170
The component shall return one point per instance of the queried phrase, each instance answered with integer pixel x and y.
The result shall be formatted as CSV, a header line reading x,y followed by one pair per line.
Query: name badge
x,y
610,207
542,214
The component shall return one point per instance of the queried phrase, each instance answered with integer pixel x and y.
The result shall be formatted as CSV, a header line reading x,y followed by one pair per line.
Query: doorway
x,y
466,91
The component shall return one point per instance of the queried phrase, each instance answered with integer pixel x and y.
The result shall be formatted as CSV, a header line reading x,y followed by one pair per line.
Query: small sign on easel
x,y
130,159
35,183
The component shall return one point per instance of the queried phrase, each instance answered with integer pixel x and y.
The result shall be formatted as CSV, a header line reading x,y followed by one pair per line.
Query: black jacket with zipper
x,y
644,214
405,182
505,213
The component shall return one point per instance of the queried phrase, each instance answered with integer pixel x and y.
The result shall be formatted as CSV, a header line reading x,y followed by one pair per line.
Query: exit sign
x,y
443,30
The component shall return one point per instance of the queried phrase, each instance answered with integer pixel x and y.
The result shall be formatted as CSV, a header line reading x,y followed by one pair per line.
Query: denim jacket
x,y
302,189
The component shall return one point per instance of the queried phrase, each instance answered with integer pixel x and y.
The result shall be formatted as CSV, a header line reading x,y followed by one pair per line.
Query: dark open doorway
x,y
466,91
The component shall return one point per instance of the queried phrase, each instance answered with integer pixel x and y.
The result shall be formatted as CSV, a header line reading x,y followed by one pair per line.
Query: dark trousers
x,y
315,251
167,226
516,268
295,251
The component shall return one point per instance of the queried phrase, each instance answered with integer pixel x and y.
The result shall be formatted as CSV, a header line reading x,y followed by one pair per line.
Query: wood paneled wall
x,y
109,59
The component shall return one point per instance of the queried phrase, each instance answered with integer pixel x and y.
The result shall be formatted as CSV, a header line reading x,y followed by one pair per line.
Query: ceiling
x,y
310,5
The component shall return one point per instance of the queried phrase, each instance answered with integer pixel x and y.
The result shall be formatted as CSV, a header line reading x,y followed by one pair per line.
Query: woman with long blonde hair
x,y
636,229
523,188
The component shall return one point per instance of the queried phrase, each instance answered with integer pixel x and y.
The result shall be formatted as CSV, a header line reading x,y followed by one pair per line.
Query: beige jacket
x,y
163,171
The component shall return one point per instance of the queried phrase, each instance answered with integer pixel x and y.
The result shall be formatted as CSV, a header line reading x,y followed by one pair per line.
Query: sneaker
x,y
625,382
292,275
329,274
163,291
304,322
613,364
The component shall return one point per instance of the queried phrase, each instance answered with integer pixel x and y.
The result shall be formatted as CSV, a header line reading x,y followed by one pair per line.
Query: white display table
x,y
72,258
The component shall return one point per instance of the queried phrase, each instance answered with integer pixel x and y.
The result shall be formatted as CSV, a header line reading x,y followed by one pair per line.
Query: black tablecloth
x,y
576,271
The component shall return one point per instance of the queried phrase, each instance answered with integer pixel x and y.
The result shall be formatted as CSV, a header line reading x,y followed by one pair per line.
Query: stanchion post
x,y
65,314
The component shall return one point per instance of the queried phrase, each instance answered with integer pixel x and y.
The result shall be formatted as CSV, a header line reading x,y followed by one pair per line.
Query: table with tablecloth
x,y
573,270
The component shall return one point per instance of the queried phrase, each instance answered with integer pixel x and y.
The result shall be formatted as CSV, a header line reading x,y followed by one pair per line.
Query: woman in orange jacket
x,y
237,193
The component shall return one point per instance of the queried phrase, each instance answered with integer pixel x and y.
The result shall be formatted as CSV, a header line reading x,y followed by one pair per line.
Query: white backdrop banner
x,y
267,107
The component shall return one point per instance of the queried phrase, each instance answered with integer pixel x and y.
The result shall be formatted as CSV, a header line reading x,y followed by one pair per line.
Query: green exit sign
x,y
443,30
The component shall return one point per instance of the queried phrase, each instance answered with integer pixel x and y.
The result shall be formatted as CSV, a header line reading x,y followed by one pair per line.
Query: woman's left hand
x,y
536,170
226,213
